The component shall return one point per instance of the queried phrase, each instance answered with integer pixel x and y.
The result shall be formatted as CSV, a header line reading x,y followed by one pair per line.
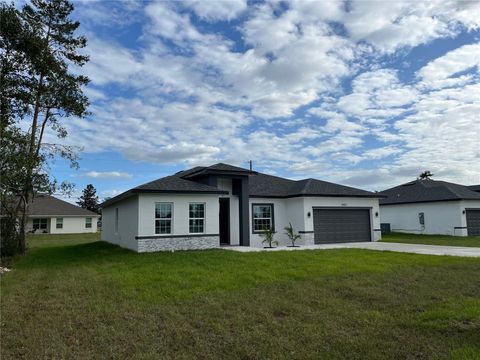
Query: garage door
x,y
473,222
341,225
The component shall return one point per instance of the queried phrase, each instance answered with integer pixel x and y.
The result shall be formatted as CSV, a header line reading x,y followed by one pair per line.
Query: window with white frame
x,y
59,223
163,218
40,224
196,218
88,223
262,217
116,220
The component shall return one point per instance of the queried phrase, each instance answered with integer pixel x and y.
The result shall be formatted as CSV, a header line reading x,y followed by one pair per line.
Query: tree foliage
x,y
89,199
38,91
426,175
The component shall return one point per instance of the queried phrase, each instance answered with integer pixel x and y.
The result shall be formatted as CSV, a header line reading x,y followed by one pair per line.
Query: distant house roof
x,y
475,188
427,191
47,205
260,185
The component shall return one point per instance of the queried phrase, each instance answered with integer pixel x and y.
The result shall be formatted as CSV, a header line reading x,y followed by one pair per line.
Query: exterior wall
x,y
71,225
180,212
226,184
127,223
295,211
440,217
178,243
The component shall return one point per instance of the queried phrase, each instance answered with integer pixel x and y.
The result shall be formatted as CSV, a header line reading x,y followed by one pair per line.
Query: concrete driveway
x,y
378,246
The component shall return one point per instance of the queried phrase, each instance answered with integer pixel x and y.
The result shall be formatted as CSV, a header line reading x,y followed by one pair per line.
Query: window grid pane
x,y
196,223
163,218
88,223
262,217
59,224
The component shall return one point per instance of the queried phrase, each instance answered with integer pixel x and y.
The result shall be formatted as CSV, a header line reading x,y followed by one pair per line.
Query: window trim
x,y
272,207
204,217
59,223
86,223
155,218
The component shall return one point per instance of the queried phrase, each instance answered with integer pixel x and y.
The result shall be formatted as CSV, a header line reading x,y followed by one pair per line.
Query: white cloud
x,y
217,10
107,174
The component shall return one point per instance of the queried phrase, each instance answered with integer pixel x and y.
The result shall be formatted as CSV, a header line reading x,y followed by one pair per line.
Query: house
x,y
208,207
432,207
47,214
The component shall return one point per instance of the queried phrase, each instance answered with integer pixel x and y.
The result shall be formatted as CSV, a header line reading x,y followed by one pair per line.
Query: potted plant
x,y
267,236
292,235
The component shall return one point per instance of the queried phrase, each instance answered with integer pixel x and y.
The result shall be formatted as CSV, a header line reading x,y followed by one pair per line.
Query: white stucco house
x,y
221,205
432,207
47,214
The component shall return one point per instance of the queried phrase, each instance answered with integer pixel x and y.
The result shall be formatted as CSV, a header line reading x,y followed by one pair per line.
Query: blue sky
x,y
362,93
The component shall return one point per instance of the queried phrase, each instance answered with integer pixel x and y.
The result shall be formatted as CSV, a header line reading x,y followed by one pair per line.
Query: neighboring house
x,y
206,207
432,207
47,214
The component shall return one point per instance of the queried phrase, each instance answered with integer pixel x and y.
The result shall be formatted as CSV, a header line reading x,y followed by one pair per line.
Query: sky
x,y
363,93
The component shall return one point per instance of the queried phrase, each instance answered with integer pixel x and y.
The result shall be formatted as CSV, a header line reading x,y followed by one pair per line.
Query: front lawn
x,y
74,297
470,241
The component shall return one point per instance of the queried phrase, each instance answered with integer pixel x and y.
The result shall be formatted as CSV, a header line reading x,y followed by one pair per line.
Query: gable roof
x,y
47,205
427,191
262,185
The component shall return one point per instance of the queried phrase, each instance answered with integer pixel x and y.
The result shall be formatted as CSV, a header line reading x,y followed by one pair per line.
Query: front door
x,y
224,220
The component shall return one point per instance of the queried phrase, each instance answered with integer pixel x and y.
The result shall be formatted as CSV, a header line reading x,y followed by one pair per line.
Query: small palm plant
x,y
267,236
292,235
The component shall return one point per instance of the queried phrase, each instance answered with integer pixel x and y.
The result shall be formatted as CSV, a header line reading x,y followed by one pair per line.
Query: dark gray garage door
x,y
473,222
341,225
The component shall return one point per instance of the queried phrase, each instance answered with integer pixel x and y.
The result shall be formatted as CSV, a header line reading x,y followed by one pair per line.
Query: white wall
x,y
71,225
226,184
146,225
440,217
127,223
295,210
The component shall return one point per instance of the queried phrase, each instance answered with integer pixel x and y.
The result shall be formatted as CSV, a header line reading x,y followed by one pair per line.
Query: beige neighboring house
x,y
47,214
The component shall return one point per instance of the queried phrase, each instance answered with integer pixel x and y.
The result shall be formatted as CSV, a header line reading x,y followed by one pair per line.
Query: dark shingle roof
x,y
475,188
47,205
175,183
219,168
427,191
262,185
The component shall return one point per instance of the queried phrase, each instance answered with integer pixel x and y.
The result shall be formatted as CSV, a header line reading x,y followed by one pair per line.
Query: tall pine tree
x,y
89,199
38,46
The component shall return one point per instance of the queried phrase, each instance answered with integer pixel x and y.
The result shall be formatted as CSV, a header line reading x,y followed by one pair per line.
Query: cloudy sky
x,y
363,93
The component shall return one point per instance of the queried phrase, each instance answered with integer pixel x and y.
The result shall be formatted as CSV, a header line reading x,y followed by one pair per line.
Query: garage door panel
x,y
473,222
341,225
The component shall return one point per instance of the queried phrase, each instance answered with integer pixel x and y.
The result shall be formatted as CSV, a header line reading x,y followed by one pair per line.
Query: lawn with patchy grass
x,y
74,297
470,241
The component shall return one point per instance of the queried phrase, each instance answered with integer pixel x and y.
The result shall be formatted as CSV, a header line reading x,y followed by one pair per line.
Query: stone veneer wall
x,y
178,243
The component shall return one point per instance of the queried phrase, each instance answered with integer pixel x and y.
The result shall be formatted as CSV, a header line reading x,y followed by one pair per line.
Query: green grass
x,y
74,297
470,241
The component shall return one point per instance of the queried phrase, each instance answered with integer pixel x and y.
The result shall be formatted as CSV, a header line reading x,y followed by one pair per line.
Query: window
x,y
262,217
88,223
40,224
116,220
196,221
163,218
59,223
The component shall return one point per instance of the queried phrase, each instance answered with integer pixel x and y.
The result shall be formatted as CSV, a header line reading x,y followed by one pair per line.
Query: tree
x,y
426,175
89,199
38,45
267,236
292,235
